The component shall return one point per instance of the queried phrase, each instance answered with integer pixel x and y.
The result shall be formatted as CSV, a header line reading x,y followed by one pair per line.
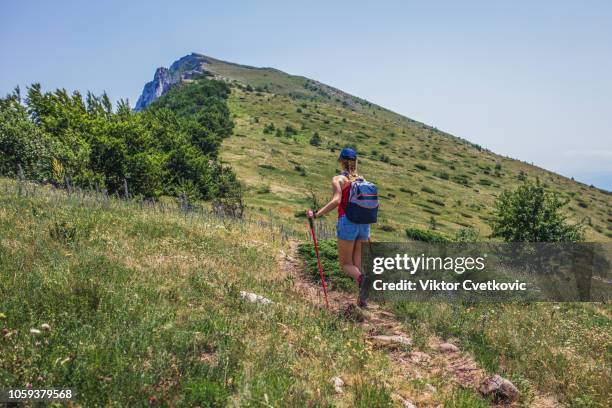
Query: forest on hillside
x,y
169,149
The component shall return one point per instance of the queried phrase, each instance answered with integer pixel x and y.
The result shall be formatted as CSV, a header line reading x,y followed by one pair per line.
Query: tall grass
x,y
563,349
144,307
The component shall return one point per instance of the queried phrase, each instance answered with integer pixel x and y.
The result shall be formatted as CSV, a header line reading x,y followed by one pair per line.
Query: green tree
x,y
173,145
532,214
22,143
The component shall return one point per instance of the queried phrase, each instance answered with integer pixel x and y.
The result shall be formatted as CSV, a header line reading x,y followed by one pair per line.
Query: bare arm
x,y
333,203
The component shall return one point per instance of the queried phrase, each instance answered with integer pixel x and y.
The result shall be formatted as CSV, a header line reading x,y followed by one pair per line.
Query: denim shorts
x,y
349,231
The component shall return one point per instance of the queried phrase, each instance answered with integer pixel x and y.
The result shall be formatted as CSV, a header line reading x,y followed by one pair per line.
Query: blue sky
x,y
530,80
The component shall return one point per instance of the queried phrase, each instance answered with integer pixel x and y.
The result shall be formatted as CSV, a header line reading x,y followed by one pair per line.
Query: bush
x,y
175,140
315,140
290,131
229,194
532,214
425,236
436,202
300,170
467,234
428,190
269,128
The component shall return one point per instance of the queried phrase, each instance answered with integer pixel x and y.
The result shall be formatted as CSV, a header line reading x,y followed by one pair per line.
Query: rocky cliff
x,y
184,68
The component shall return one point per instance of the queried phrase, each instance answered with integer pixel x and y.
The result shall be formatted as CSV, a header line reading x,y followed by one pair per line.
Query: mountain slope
x,y
428,178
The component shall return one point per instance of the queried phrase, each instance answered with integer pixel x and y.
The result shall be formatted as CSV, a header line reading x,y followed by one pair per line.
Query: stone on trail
x,y
408,404
391,341
419,357
448,348
499,388
404,402
254,298
338,384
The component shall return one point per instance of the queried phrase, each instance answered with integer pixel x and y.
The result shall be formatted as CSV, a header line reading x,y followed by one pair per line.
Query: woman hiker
x,y
350,236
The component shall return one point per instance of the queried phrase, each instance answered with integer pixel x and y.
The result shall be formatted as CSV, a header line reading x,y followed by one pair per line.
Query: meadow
x,y
132,305
428,179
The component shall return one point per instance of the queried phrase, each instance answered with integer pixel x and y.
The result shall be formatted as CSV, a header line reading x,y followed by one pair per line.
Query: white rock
x,y
408,404
419,357
35,332
448,348
405,403
338,384
45,327
392,341
254,298
500,388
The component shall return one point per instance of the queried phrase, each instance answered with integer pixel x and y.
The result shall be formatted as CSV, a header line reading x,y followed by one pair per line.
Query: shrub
x,y
290,130
467,234
462,179
428,190
433,224
420,166
269,128
315,140
436,202
532,214
407,190
264,189
425,236
300,169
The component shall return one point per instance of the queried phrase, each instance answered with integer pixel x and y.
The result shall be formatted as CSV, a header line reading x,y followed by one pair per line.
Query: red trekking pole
x,y
314,239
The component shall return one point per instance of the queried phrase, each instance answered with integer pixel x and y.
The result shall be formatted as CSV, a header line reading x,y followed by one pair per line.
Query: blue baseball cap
x,y
348,154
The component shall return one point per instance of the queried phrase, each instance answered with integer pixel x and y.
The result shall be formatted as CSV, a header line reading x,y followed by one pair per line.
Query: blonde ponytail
x,y
349,169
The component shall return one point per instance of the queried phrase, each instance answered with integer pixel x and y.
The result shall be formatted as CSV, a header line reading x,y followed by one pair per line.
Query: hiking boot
x,y
361,300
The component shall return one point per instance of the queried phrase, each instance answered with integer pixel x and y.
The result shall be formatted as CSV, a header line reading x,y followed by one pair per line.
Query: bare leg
x,y
345,256
357,255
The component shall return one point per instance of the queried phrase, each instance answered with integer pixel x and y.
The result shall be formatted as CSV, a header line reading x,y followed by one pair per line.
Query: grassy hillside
x,y
143,306
421,171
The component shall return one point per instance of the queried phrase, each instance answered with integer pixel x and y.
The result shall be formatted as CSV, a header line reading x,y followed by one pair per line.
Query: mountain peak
x,y
165,78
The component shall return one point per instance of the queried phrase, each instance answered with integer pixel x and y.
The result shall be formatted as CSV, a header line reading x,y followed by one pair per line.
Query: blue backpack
x,y
362,207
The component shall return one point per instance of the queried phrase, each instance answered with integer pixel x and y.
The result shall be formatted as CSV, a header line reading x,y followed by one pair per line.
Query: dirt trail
x,y
384,330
